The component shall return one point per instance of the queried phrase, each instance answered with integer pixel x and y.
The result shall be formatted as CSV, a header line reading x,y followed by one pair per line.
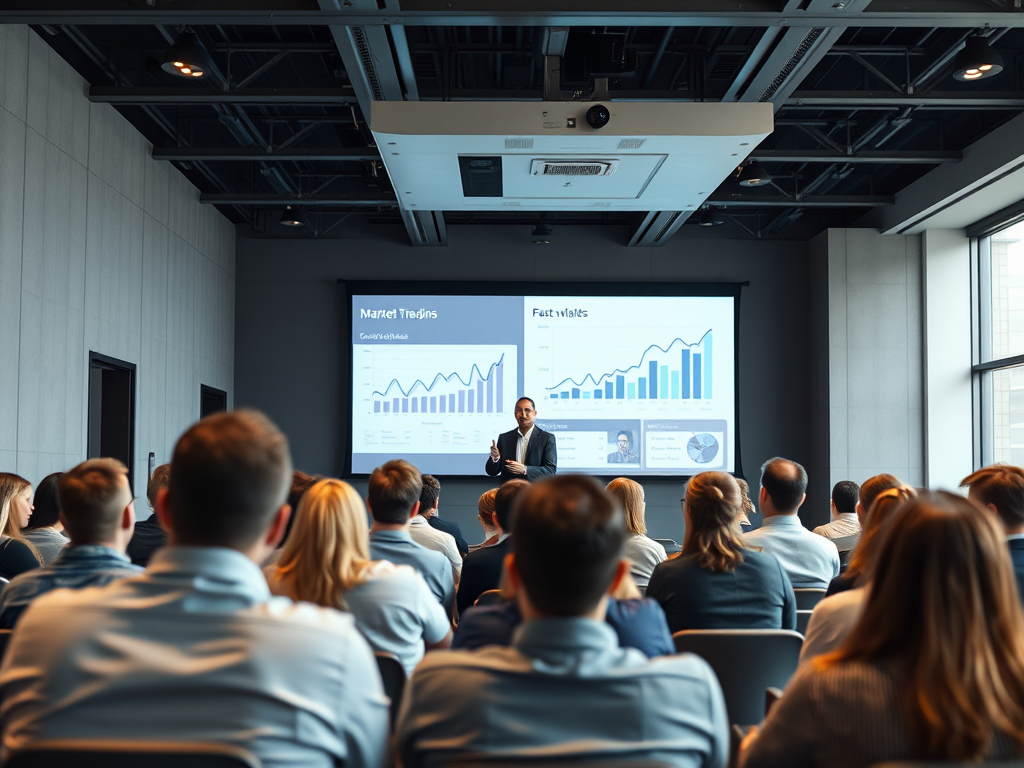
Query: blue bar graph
x,y
394,404
469,400
654,379
433,405
598,393
565,395
405,405
586,395
443,399
483,390
631,391
387,407
423,404
415,405
686,374
642,387
451,403
608,392
575,393
696,376
620,382
376,406
675,385
663,384
707,365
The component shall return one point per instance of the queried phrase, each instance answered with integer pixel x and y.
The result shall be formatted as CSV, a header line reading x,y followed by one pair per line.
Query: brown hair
x,y
1001,485
485,507
874,486
943,606
93,495
886,502
10,486
157,482
393,491
746,505
712,536
631,496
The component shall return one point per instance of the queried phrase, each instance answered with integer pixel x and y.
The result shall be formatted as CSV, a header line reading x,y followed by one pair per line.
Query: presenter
x,y
526,453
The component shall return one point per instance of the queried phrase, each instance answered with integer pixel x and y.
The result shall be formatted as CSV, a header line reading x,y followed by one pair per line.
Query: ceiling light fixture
x,y
709,217
977,60
753,175
293,216
187,57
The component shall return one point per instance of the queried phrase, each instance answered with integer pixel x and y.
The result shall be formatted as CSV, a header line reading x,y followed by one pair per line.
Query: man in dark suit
x,y
481,570
429,498
524,453
1000,489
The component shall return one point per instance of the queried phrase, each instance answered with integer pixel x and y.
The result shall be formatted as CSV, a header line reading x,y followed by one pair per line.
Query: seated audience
x,y
564,689
16,555
746,506
196,648
301,482
844,530
934,668
149,534
485,514
1000,490
44,530
835,616
437,523
720,580
424,534
393,500
99,515
810,561
482,569
327,561
644,553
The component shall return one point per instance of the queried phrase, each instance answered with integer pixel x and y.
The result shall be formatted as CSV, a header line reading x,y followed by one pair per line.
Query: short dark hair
x,y
301,482
629,435
1001,485
93,495
873,486
230,474
845,495
46,503
567,539
505,502
393,491
529,399
157,482
785,482
430,494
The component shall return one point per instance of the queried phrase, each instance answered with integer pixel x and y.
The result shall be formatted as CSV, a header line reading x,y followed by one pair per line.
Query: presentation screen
x,y
629,384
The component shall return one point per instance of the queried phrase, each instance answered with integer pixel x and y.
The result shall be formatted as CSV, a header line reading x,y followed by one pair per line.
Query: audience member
x,y
834,617
720,580
196,648
424,534
746,506
327,561
643,552
564,688
301,482
934,668
394,499
149,534
446,526
482,569
1000,490
98,511
810,561
485,514
44,529
844,530
16,555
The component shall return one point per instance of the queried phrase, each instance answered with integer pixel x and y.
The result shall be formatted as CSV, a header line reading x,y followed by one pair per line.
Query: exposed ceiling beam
x,y
864,156
244,154
933,100
810,201
257,200
203,95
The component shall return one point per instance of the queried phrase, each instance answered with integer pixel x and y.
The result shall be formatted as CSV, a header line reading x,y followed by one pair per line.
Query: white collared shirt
x,y
522,442
424,534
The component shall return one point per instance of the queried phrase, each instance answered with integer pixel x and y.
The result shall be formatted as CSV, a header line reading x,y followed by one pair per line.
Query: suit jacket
x,y
541,456
481,570
450,528
1017,557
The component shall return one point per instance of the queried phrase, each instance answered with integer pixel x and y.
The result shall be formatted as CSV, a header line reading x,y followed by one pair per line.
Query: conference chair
x,y
118,753
747,663
803,618
392,674
670,546
578,761
490,597
807,598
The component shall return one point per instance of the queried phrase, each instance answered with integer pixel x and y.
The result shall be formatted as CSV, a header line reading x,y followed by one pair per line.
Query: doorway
x,y
112,411
211,400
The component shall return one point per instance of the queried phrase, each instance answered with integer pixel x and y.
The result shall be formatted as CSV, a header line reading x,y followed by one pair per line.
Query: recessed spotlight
x,y
187,57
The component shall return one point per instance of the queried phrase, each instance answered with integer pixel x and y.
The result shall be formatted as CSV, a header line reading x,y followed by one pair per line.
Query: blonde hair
x,y
712,537
329,546
10,486
630,495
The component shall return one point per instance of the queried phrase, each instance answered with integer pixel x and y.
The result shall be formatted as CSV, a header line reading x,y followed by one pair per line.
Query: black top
x,y
451,528
757,595
1017,557
147,539
481,571
16,557
841,583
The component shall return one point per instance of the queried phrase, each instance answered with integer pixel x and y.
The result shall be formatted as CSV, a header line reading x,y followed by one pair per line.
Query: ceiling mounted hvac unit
x,y
545,156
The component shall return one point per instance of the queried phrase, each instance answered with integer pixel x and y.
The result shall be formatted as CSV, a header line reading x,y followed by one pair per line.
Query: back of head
x,y
785,482
47,506
630,495
10,486
845,495
713,503
505,502
229,475
485,505
93,497
882,509
943,606
430,494
873,486
567,538
393,491
159,480
1002,486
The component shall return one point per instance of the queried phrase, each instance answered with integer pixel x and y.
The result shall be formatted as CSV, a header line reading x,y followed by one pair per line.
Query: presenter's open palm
x,y
515,467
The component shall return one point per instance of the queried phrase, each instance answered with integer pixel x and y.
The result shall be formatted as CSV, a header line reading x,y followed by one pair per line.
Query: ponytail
x,y
713,499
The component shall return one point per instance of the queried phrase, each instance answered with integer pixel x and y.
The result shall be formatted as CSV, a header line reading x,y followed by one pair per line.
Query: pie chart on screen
x,y
702,448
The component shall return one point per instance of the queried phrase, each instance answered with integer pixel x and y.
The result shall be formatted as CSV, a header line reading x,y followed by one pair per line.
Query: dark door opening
x,y
112,411
212,400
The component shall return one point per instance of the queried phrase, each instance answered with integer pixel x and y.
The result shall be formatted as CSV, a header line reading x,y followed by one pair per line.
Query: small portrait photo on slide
x,y
623,447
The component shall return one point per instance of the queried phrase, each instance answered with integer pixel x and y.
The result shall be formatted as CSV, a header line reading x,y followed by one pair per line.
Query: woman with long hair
x,y
327,561
643,552
719,581
485,514
16,555
44,528
933,669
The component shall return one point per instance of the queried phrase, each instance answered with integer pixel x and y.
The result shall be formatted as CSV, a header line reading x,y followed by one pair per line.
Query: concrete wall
x,y
101,249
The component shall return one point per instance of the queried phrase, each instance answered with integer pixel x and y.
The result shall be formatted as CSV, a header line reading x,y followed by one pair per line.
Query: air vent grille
x,y
518,143
631,143
573,167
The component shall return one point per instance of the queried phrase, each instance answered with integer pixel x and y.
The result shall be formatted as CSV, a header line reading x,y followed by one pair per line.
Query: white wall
x,y
101,249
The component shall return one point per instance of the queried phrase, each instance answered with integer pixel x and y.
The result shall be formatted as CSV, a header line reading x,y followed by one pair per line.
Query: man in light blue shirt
x,y
810,561
564,689
196,649
393,498
97,511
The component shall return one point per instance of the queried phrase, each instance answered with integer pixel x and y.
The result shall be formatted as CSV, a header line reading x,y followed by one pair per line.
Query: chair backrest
x,y
670,545
490,597
803,618
115,753
600,761
392,674
747,661
807,598
844,560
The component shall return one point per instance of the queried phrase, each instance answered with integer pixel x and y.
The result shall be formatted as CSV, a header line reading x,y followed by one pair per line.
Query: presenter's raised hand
x,y
515,467
495,454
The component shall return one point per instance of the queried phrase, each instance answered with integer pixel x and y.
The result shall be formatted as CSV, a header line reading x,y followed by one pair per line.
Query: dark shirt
x,y
453,529
756,595
1017,558
639,624
16,557
841,583
147,539
481,571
